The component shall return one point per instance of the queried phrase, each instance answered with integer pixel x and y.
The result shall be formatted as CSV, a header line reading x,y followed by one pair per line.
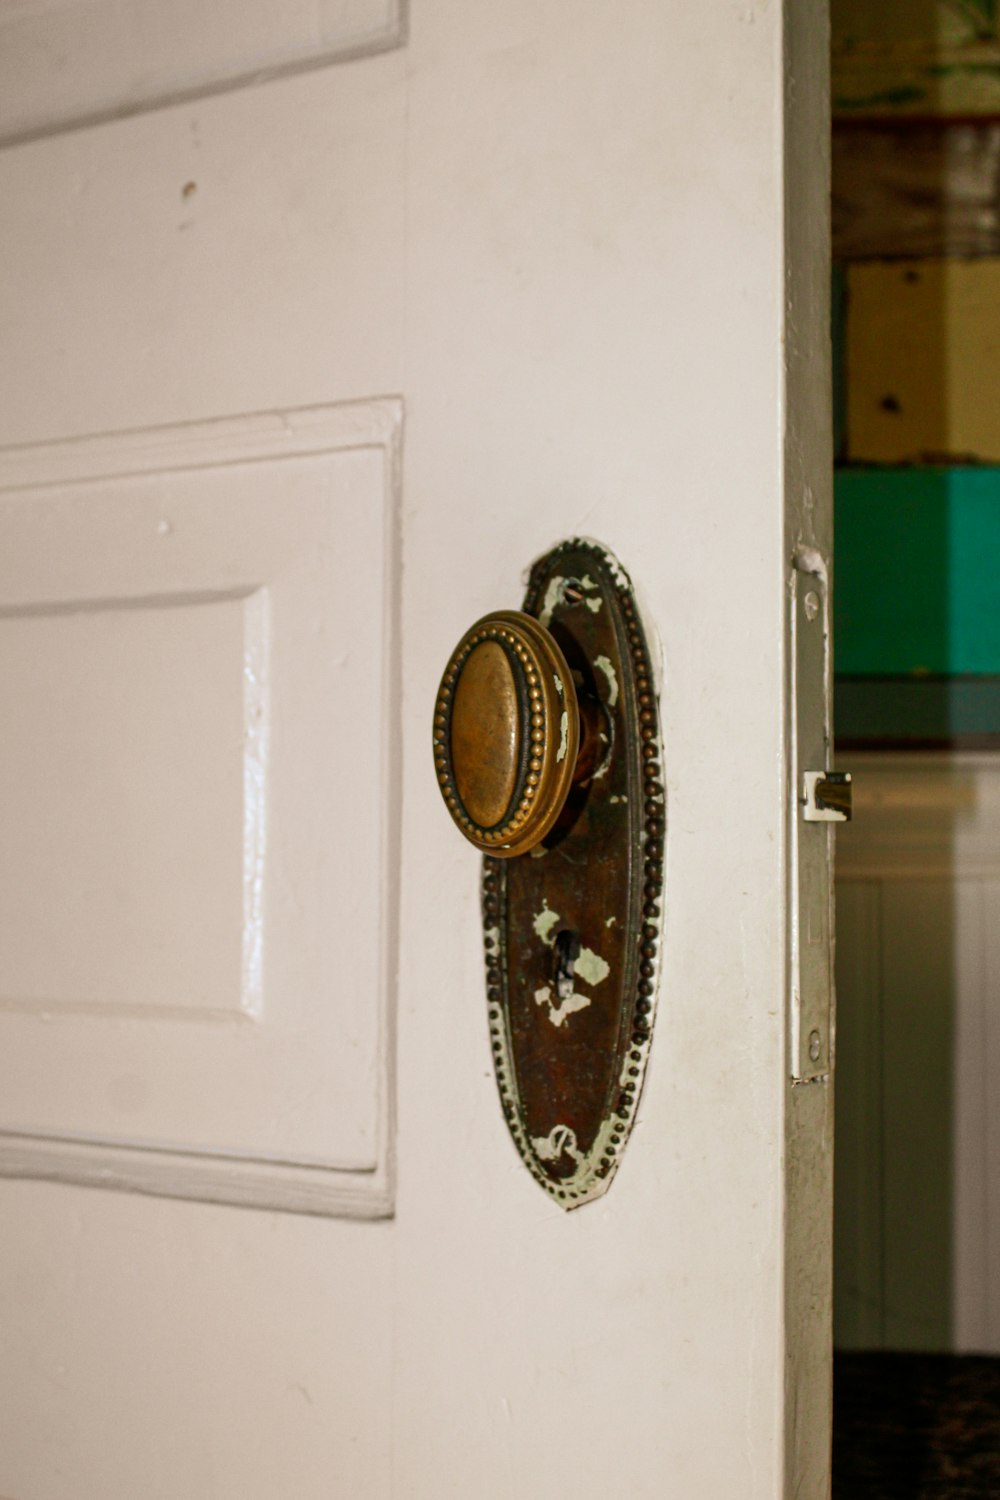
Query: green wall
x,y
917,572
917,605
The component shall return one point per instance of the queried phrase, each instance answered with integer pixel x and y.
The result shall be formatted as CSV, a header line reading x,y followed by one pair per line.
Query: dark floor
x,y
916,1427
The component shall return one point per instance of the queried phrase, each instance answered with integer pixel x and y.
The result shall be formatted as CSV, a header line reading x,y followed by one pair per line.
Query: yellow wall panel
x,y
923,361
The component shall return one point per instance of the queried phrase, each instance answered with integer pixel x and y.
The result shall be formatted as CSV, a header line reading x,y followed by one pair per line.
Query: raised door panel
x,y
196,643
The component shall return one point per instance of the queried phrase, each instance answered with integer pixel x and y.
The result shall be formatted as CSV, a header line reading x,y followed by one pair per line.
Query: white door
x,y
299,375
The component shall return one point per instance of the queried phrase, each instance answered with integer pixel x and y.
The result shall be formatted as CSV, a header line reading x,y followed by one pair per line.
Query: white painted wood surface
x,y
562,242
72,62
918,895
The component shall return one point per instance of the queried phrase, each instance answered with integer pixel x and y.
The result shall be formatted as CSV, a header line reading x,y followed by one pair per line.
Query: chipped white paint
x,y
602,769
591,967
604,665
618,799
561,1140
570,1002
563,736
618,573
553,597
610,921
545,924
556,592
594,605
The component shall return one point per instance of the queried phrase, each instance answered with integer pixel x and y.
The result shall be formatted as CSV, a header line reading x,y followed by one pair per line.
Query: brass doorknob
x,y
506,733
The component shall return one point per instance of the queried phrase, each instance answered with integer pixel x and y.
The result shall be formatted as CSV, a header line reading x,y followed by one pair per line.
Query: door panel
x,y
198,627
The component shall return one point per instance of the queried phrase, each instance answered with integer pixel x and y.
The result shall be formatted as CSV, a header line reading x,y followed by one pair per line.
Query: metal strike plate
x,y
817,800
572,908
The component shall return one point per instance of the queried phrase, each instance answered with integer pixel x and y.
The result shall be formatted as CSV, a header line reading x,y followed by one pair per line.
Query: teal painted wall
x,y
917,572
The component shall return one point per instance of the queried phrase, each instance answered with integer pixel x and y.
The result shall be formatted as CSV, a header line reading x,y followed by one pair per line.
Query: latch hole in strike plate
x,y
827,796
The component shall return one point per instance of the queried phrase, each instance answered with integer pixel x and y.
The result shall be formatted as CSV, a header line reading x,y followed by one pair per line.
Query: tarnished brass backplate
x,y
572,929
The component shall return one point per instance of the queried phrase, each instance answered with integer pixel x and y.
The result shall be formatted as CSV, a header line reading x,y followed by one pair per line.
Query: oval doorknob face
x,y
506,733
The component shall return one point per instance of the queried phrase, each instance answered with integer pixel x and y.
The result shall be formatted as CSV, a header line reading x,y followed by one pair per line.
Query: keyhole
x,y
567,951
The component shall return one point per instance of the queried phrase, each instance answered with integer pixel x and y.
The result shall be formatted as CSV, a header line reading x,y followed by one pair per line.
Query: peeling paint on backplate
x,y
545,924
592,604
573,928
587,592
560,1139
568,1004
563,736
591,967
603,665
553,596
602,769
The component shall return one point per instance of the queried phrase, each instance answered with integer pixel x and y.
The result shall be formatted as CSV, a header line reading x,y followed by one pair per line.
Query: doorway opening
x,y
916,351
916,229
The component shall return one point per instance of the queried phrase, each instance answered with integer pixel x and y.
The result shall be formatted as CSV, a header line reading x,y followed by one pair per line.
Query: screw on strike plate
x,y
815,1046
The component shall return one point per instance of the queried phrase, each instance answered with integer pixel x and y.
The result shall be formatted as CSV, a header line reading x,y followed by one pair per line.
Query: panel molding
x,y
228,1177
218,442
288,1187
255,611
109,78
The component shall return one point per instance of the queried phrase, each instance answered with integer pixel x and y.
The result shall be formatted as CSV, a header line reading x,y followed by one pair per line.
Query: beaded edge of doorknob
x,y
548,726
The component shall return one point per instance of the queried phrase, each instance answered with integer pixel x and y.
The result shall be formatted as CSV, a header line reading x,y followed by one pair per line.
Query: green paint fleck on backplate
x,y
544,925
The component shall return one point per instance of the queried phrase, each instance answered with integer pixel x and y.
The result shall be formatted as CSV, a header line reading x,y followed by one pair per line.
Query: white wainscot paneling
x,y
72,62
918,1057
196,656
